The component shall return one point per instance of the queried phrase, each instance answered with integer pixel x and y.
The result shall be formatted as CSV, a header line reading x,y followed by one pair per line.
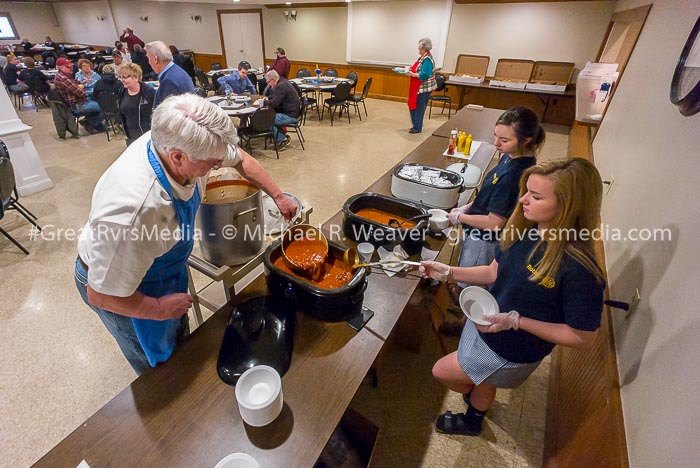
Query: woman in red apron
x,y
422,82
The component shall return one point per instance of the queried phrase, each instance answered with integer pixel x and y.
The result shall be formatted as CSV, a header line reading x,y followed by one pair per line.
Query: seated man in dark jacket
x,y
35,79
285,101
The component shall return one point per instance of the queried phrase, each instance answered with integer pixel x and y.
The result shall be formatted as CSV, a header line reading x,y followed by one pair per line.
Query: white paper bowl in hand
x,y
476,302
438,219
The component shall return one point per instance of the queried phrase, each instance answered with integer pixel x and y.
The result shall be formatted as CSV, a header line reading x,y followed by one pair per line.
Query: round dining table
x,y
241,108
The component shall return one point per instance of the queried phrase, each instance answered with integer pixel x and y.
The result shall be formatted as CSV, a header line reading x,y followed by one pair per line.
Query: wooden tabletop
x,y
182,414
479,122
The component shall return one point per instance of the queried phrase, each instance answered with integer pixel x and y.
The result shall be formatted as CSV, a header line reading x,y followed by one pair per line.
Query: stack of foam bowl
x,y
259,395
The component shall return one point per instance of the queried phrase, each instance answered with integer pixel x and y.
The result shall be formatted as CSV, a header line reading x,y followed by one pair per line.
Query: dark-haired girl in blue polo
x,y
548,284
519,136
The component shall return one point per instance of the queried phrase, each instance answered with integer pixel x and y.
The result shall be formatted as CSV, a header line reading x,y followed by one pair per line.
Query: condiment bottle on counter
x,y
468,144
461,139
452,143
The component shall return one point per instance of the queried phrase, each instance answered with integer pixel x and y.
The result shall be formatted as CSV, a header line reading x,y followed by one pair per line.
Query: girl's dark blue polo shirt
x,y
574,297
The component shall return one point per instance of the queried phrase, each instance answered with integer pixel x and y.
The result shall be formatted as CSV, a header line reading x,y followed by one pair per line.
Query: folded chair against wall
x,y
9,196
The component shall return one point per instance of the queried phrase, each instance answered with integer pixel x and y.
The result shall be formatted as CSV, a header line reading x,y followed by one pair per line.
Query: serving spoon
x,y
394,223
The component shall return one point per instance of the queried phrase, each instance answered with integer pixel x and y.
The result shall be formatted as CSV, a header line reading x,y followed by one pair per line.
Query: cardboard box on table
x,y
550,76
512,73
473,66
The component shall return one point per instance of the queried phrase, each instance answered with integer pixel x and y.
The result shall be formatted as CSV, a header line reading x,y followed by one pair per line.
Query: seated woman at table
x,y
422,83
518,136
547,281
237,82
135,102
86,76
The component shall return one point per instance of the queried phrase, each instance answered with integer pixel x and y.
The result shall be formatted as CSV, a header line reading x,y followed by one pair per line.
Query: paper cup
x,y
366,251
259,395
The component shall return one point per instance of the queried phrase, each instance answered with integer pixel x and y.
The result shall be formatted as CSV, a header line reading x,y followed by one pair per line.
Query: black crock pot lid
x,y
260,331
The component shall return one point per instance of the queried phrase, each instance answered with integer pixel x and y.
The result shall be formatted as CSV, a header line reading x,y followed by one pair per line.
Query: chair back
x,y
108,103
201,92
253,79
440,80
50,62
215,82
202,78
216,66
7,182
352,76
296,88
262,120
342,91
365,89
331,72
303,73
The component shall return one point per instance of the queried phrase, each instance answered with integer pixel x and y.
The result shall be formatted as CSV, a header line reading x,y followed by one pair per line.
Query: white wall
x,y
81,22
652,151
33,21
559,31
318,34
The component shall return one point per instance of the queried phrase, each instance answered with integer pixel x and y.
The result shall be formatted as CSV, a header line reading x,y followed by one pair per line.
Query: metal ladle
x,y
394,223
352,257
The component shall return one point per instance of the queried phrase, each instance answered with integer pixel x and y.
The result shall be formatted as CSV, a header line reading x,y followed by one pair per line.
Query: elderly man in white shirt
x,y
132,253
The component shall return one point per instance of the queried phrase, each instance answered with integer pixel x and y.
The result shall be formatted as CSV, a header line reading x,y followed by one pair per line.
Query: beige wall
x,y
652,151
318,34
559,31
33,20
80,24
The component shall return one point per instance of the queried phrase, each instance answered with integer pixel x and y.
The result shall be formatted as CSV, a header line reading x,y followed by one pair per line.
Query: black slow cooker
x,y
328,305
364,230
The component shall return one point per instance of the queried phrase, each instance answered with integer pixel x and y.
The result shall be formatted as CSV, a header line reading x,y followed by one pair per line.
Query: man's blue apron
x,y
167,275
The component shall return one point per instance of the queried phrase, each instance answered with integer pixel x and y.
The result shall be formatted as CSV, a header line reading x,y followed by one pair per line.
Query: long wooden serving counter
x,y
182,414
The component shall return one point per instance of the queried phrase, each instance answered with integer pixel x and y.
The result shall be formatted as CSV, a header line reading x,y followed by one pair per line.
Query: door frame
x,y
221,30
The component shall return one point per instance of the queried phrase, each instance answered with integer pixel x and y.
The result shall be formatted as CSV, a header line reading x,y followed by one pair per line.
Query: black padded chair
x,y
9,197
307,103
443,98
216,66
356,99
218,89
331,72
296,126
201,92
253,79
303,73
339,99
108,103
204,80
352,75
259,126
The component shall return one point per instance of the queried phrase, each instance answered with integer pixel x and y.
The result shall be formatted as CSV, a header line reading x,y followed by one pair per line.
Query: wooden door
x,y
241,36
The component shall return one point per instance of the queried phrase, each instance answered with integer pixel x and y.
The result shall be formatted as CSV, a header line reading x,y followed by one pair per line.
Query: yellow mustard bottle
x,y
468,145
461,139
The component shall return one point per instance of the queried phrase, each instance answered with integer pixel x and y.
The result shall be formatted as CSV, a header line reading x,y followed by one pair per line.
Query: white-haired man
x,y
285,101
173,80
132,254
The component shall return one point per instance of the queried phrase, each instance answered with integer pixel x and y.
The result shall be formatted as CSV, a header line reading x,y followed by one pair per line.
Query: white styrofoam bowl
x,y
438,219
476,302
259,395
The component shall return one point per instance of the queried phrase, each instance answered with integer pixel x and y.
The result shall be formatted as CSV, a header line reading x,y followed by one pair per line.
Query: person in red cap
x,y
73,94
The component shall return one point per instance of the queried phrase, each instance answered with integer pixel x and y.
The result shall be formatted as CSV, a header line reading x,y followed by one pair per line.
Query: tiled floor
x,y
58,364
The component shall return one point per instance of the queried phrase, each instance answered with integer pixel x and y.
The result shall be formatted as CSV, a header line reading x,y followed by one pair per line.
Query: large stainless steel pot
x,y
231,222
